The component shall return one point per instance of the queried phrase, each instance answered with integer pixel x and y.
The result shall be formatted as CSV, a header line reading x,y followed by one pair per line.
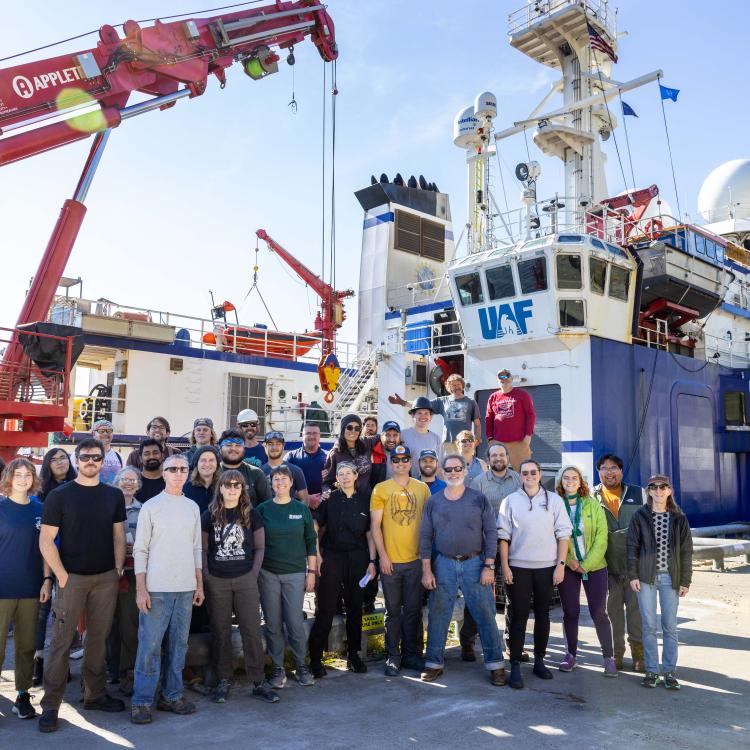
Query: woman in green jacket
x,y
585,565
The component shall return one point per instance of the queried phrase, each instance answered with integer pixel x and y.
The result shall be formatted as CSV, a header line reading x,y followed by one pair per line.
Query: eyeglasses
x,y
609,469
130,480
96,458
232,441
233,485
466,440
659,486
59,459
248,424
401,460
531,473
177,469
453,469
353,428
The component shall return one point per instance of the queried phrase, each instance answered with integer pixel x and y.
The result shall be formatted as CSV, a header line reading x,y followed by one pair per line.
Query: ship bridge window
x,y
570,238
500,282
735,412
568,271
572,313
598,243
532,274
710,249
618,251
597,275
700,244
469,288
619,283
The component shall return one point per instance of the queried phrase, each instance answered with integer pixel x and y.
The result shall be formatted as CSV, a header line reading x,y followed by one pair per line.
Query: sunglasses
x,y
466,440
531,473
659,486
248,424
93,457
232,441
353,428
453,469
233,485
126,480
504,376
401,460
177,469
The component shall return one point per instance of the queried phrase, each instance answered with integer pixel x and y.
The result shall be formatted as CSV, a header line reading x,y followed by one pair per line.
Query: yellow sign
x,y
375,621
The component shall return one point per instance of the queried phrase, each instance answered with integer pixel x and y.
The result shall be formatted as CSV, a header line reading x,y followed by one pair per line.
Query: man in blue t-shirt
x,y
248,424
274,443
428,466
310,458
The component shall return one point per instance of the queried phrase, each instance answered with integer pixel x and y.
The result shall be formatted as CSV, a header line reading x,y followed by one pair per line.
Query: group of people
x,y
134,548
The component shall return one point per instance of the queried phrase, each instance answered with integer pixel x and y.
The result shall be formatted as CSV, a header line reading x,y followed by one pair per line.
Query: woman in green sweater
x,y
585,565
288,571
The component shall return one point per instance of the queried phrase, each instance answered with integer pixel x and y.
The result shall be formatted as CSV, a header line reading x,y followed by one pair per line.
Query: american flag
x,y
597,42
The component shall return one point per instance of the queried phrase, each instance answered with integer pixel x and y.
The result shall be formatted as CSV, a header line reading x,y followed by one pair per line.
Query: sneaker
x,y
318,670
221,691
540,670
38,677
48,721
263,692
413,662
355,664
568,664
304,676
278,678
670,681
431,674
140,714
650,680
391,668
105,703
497,677
467,652
515,680
525,657
610,668
179,706
22,708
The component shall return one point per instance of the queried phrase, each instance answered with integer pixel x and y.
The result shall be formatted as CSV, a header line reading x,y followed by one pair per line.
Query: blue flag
x,y
668,93
628,110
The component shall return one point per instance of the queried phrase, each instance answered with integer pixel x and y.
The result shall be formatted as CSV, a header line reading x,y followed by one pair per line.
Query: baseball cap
x,y
275,435
391,426
428,453
101,423
401,450
504,371
247,415
203,422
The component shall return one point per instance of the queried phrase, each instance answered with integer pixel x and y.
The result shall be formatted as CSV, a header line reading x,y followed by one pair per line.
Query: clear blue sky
x,y
179,194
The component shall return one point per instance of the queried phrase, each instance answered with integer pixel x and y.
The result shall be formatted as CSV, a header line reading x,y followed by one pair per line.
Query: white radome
x,y
725,193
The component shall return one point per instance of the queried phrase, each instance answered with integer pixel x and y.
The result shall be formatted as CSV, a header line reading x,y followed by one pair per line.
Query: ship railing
x,y
427,339
201,333
726,351
535,10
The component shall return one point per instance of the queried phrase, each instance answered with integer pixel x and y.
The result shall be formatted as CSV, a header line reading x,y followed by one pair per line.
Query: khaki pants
x,y
96,597
517,451
24,614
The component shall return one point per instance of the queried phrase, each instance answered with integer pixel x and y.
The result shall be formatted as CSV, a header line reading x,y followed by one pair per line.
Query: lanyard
x,y
576,527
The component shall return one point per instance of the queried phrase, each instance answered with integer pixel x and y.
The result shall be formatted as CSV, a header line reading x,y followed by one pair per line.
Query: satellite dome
x,y
725,193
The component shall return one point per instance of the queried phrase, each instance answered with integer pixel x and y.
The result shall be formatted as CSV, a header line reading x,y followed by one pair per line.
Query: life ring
x,y
652,228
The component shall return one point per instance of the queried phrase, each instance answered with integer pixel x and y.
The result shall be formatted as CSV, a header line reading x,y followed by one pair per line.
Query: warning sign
x,y
375,621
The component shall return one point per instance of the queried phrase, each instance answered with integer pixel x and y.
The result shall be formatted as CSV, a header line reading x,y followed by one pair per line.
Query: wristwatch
x,y
562,562
373,562
489,566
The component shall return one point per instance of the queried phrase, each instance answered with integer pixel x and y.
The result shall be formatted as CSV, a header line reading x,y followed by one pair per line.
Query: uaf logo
x,y
23,87
501,320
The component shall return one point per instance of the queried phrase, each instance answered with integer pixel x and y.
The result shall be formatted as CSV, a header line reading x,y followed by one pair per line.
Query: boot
x,y
38,677
636,651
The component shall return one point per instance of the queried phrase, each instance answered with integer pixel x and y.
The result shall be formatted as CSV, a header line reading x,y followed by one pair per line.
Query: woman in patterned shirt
x,y
660,550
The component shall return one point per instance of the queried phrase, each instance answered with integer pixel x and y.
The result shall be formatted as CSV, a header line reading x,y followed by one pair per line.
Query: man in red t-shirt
x,y
510,419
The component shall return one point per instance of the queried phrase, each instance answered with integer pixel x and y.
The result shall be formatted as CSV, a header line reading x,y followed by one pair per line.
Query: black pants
x,y
339,570
525,582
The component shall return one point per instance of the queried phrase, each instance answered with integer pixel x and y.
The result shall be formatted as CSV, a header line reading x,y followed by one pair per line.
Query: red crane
x,y
71,97
331,315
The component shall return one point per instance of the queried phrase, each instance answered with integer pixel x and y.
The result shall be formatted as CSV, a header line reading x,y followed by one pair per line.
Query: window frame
x,y
580,272
564,300
542,257
509,267
466,274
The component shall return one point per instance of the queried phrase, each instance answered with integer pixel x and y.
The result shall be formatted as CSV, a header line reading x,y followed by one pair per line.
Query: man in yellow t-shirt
x,y
396,509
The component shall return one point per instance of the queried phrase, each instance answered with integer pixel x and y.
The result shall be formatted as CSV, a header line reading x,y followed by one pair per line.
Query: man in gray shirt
x,y
419,437
459,525
495,484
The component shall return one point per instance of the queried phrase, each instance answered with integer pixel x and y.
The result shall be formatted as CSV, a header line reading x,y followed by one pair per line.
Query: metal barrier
x,y
532,12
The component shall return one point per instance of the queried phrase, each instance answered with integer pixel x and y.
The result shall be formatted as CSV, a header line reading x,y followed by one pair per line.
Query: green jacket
x,y
594,536
632,499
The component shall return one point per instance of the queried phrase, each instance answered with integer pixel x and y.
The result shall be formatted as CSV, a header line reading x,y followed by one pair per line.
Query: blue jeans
x,y
169,615
668,601
450,576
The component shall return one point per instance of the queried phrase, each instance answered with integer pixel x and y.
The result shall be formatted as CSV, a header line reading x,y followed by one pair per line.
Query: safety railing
x,y
535,10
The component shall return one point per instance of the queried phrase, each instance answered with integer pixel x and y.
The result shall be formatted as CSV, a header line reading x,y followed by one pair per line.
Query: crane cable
x,y
256,287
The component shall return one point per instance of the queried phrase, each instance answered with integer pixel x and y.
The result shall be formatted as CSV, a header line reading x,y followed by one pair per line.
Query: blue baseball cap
x,y
401,450
391,426
428,453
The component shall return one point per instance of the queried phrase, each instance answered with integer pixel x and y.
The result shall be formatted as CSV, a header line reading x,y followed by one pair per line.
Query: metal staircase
x,y
356,383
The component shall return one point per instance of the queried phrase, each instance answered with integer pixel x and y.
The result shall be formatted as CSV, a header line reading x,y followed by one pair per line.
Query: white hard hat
x,y
247,415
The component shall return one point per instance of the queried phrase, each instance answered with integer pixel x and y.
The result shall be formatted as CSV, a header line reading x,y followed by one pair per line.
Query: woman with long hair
x,y
350,448
660,561
200,486
56,469
533,528
584,565
26,579
347,554
288,571
233,545
466,445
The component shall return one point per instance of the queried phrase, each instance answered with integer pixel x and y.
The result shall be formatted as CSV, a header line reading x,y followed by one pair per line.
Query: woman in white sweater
x,y
533,528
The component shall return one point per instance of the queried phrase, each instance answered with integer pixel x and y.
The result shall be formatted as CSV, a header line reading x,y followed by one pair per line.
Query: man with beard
x,y
232,446
248,424
274,445
419,437
390,437
152,457
158,429
102,431
311,458
495,484
458,546
428,466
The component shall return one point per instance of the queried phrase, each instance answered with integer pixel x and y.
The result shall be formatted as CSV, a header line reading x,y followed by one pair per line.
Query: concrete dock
x,y
462,710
